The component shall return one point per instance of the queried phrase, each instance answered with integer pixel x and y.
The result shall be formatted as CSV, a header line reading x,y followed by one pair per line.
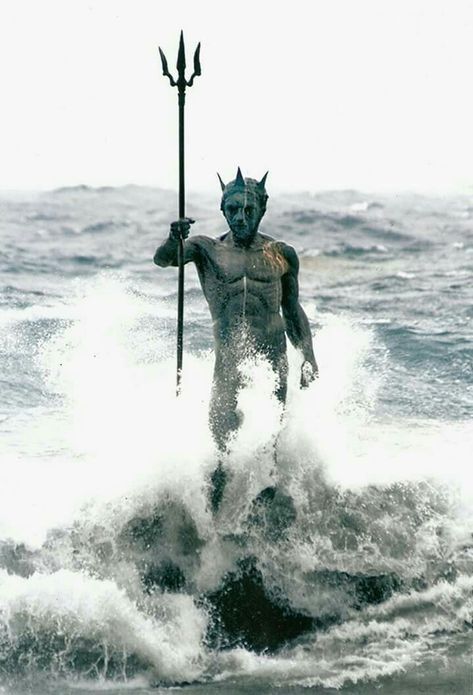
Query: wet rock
x,y
273,511
167,527
166,576
144,531
361,589
164,544
243,612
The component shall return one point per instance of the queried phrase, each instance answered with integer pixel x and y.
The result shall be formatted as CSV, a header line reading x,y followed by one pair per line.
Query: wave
x,y
107,226
352,251
130,191
80,188
387,232
70,623
330,219
365,205
155,590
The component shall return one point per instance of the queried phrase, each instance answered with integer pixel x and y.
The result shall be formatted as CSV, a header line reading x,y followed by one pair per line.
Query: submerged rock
x,y
243,612
273,512
167,576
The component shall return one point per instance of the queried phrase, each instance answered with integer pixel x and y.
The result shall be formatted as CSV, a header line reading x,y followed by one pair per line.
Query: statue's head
x,y
243,206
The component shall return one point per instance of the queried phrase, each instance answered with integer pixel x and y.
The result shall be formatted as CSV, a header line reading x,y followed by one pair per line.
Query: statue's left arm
x,y
297,323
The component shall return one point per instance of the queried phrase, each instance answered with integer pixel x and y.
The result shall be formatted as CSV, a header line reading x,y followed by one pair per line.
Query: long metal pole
x,y
181,83
180,248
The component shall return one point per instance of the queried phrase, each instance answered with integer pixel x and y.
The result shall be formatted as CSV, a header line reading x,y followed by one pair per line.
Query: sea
x,y
354,574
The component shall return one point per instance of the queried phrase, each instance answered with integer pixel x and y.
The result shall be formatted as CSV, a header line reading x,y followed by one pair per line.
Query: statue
x,y
250,282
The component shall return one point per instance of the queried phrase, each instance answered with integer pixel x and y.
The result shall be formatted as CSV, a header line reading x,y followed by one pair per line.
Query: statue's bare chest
x,y
228,264
240,281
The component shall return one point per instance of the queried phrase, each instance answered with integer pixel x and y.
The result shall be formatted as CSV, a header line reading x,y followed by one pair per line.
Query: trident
x,y
181,83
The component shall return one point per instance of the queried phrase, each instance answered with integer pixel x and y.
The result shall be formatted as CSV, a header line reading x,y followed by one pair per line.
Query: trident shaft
x,y
181,83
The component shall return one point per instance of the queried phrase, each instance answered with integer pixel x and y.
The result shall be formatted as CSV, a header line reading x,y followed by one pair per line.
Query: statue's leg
x,y
224,420
281,368
278,361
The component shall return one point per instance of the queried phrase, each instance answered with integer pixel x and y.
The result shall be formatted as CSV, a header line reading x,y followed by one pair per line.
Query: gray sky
x,y
368,94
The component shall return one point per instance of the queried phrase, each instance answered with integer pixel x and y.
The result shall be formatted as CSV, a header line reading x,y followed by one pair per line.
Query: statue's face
x,y
243,212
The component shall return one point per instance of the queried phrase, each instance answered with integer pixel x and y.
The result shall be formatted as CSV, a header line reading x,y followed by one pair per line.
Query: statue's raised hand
x,y
180,228
309,372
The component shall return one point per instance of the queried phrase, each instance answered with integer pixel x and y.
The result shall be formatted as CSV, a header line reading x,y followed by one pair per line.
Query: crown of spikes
x,y
242,183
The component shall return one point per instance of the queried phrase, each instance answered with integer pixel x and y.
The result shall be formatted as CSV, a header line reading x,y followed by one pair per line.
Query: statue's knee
x,y
224,416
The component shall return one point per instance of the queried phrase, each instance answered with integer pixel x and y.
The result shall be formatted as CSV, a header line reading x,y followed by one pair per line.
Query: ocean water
x,y
114,575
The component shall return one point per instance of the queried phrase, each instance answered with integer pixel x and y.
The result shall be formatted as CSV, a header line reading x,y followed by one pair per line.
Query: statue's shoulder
x,y
291,257
267,238
198,247
270,241
281,247
276,242
201,242
200,239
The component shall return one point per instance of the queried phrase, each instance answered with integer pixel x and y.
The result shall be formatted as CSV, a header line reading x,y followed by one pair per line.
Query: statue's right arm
x,y
166,253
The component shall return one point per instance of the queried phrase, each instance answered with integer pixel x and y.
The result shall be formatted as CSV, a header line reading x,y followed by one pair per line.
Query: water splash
x,y
120,549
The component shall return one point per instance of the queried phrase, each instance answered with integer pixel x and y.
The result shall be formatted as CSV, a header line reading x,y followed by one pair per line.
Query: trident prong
x,y
166,72
181,83
197,71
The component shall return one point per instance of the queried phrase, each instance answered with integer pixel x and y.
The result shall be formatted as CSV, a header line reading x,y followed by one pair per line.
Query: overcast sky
x,y
367,94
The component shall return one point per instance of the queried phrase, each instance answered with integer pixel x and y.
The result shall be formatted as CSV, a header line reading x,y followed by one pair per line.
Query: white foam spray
x,y
118,439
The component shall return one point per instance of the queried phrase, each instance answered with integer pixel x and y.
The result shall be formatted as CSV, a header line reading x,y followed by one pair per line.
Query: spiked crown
x,y
240,183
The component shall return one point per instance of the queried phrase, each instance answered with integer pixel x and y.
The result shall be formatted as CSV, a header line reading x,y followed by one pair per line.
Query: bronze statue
x,y
250,282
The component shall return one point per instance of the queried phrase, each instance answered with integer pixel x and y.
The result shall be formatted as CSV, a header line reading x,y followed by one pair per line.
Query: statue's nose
x,y
240,216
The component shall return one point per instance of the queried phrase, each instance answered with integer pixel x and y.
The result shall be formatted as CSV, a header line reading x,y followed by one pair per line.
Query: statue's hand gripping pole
x,y
181,83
